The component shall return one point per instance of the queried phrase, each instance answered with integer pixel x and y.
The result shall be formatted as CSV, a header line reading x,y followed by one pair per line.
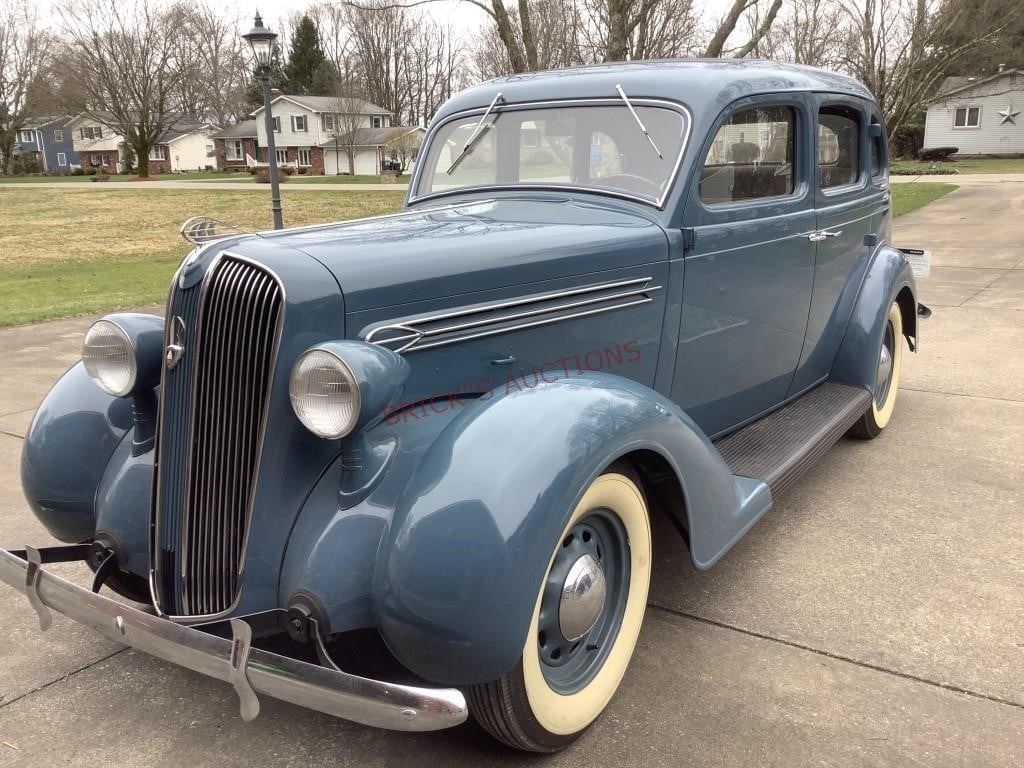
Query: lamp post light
x,y
262,40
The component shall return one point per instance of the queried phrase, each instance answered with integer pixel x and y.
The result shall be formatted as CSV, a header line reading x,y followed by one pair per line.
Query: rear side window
x,y
838,147
877,148
751,157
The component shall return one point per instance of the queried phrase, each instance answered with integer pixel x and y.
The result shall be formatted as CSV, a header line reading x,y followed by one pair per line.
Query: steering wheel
x,y
632,183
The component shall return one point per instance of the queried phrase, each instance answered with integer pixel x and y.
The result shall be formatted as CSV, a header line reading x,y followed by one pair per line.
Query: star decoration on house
x,y
1009,115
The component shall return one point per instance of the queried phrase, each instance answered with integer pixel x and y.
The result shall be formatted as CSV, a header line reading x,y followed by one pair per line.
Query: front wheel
x,y
887,380
585,624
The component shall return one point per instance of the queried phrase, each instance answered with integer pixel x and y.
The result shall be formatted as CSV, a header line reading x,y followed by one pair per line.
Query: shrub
x,y
90,171
906,140
937,154
285,170
79,171
539,157
263,176
100,177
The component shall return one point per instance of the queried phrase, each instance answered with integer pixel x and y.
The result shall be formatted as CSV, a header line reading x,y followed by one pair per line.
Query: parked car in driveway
x,y
614,293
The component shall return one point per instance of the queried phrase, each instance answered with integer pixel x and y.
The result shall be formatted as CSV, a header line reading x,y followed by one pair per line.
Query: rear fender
x,y
888,279
461,562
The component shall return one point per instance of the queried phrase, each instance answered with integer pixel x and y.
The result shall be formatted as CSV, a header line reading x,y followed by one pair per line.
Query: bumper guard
x,y
251,671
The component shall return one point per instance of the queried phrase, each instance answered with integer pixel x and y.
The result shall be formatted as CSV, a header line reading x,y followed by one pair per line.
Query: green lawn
x,y
68,253
357,179
910,197
984,165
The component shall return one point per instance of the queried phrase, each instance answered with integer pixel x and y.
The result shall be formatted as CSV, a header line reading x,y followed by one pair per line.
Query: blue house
x,y
50,140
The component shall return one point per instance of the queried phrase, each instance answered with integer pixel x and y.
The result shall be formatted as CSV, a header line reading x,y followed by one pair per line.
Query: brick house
x,y
237,146
306,127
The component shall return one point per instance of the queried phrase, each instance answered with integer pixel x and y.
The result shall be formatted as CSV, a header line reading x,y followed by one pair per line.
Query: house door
x,y
747,279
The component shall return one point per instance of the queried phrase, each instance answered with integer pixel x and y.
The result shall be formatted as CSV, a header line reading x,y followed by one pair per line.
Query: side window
x,y
876,144
838,147
751,156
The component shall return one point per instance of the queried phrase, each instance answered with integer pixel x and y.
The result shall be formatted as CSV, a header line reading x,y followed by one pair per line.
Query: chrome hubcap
x,y
582,601
884,376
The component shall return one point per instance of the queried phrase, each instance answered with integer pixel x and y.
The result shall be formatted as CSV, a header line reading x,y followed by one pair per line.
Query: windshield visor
x,y
600,148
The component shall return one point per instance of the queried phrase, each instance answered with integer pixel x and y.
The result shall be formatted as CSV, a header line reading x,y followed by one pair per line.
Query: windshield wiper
x,y
639,122
477,134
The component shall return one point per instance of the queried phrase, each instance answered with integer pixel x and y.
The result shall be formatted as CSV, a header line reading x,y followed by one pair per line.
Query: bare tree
x,y
404,149
348,119
381,34
811,32
729,22
124,61
213,65
24,52
431,70
888,50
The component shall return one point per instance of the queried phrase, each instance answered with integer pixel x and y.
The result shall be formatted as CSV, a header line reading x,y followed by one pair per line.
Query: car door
x,y
749,270
851,199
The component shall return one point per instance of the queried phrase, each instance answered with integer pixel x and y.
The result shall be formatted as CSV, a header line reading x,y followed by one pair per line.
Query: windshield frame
x,y
614,101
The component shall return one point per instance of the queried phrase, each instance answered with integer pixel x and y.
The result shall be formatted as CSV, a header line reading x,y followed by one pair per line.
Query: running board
x,y
782,446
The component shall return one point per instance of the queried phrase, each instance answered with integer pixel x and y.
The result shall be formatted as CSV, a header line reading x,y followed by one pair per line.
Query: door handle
x,y
821,234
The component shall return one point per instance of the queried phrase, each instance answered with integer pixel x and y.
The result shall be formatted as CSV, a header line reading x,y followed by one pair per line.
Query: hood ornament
x,y
176,347
200,230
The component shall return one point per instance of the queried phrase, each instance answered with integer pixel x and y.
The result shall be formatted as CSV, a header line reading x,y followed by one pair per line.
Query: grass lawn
x,y
984,165
357,179
909,197
67,253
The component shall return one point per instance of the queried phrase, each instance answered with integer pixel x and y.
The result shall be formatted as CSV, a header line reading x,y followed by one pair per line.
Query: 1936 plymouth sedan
x,y
613,292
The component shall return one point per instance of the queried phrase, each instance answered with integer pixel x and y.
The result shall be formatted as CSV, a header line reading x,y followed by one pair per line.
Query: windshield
x,y
595,147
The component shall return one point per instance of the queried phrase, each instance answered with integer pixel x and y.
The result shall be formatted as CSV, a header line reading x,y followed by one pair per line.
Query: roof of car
x,y
696,82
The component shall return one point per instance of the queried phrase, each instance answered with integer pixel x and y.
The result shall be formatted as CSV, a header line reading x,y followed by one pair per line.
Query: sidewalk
x,y
963,179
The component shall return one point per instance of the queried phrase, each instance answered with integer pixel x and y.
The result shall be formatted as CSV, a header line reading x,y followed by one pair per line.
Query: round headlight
x,y
324,394
109,358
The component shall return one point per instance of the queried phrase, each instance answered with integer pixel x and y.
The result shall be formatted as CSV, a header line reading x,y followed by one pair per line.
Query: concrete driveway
x,y
874,618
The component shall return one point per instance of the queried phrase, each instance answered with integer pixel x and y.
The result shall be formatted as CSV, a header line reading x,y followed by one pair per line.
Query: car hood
x,y
468,247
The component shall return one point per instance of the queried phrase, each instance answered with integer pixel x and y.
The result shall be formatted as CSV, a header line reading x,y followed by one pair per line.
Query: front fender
x,y
462,560
888,278
69,443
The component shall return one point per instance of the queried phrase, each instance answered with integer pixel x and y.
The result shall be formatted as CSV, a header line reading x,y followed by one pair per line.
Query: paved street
x,y
874,618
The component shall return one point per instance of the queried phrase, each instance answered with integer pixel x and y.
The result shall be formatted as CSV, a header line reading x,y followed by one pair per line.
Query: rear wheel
x,y
585,624
887,381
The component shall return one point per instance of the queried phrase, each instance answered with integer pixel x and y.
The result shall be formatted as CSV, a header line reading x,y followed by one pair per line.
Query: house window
x,y
305,157
330,122
25,137
233,150
282,156
58,134
97,158
377,121
91,132
967,117
158,152
299,124
277,125
62,159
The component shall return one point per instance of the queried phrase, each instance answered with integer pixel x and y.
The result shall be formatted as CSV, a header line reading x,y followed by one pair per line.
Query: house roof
x,y
39,122
244,129
953,85
378,137
179,128
329,104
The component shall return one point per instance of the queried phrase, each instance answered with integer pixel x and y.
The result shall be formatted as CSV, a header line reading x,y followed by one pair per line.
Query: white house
x,y
978,115
311,133
186,146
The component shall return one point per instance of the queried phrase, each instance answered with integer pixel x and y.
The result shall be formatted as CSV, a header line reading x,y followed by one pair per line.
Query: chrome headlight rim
x,y
353,383
92,363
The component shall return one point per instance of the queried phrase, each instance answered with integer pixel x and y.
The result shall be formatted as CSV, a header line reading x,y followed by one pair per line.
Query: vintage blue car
x,y
614,292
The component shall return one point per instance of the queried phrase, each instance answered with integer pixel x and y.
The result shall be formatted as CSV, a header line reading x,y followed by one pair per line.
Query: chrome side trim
x,y
415,333
600,101
371,702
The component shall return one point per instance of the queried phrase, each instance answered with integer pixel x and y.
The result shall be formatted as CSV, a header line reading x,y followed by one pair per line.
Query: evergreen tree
x,y
306,57
325,80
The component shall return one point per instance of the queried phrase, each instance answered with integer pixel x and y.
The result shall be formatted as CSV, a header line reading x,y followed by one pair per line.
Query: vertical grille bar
x,y
206,485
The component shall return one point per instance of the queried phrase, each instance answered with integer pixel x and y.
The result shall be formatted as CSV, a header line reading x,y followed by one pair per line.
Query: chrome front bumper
x,y
250,670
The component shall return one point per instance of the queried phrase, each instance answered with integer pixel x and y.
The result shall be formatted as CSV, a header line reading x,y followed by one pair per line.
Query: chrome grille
x,y
207,474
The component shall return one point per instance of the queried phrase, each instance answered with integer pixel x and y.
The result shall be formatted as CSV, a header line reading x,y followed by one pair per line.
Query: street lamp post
x,y
262,40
